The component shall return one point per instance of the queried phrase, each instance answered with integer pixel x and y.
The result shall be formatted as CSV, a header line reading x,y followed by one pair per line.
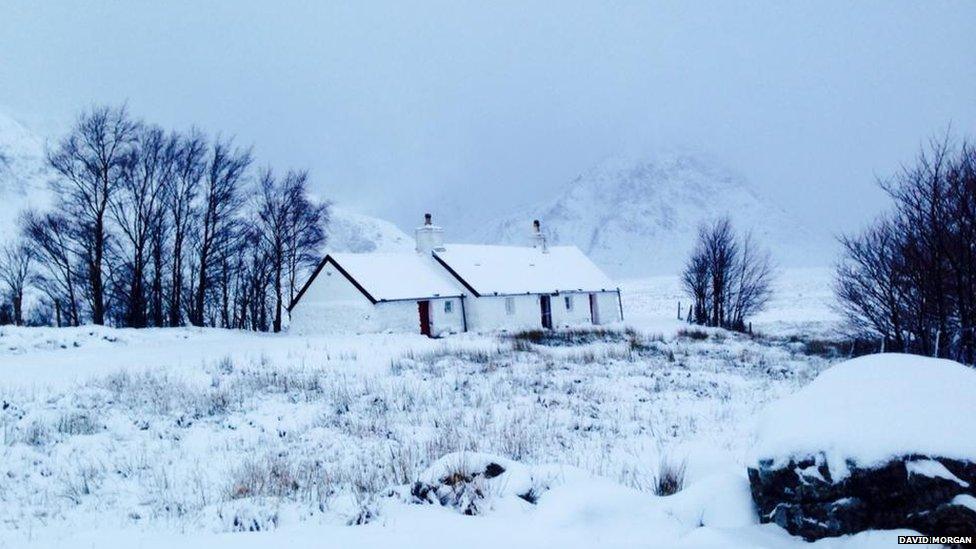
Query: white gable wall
x,y
332,304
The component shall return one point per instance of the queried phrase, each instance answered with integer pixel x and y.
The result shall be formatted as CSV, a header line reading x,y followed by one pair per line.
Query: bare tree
x,y
306,233
729,278
911,278
721,252
88,164
137,208
290,227
273,212
191,164
217,217
695,281
56,246
750,283
16,266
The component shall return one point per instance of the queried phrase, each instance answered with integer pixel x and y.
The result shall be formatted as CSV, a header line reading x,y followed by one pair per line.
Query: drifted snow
x,y
873,408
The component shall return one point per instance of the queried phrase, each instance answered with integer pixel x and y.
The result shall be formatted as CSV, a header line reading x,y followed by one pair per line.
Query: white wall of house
x,y
608,306
575,314
445,319
489,313
523,312
332,304
404,316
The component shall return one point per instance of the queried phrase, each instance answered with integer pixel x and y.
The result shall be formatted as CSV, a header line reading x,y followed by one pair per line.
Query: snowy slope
x,y
636,217
353,232
22,173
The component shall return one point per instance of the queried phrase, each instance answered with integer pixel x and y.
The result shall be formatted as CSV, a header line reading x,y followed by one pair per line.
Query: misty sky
x,y
397,106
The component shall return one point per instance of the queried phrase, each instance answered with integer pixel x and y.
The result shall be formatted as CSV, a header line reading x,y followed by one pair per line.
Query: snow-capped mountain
x,y
23,174
640,216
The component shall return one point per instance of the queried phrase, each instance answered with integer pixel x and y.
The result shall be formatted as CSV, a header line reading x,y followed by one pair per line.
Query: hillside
x,y
353,232
22,172
639,216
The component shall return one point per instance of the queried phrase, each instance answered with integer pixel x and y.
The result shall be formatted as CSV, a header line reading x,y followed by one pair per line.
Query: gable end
x,y
343,272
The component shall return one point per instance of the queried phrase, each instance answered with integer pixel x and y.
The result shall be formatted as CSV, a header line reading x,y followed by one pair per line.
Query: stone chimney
x,y
539,239
429,237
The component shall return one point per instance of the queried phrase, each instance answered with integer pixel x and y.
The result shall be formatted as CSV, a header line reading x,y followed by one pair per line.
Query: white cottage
x,y
454,288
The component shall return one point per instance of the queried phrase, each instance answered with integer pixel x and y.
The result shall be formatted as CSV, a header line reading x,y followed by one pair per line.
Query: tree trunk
x,y
176,292
95,275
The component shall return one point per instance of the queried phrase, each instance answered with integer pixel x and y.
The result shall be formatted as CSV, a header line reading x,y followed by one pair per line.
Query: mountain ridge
x,y
639,215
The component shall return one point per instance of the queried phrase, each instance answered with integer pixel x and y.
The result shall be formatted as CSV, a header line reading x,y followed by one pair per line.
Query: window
x,y
569,302
448,306
510,306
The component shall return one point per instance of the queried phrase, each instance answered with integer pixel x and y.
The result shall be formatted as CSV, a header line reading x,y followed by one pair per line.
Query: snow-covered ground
x,y
208,438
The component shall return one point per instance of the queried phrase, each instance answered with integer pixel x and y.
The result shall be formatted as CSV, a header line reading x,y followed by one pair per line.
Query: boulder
x,y
931,495
878,442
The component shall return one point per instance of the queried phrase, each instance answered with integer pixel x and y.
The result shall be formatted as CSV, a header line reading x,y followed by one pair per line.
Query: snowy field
x,y
208,438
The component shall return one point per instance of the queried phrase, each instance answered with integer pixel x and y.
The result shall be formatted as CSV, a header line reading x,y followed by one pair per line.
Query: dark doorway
x,y
546,307
424,308
594,309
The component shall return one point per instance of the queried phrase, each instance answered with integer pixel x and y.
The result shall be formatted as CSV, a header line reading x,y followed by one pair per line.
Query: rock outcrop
x,y
932,495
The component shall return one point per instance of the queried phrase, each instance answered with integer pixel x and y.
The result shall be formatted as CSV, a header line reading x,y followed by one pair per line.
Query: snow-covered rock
x,y
471,482
870,409
640,216
879,442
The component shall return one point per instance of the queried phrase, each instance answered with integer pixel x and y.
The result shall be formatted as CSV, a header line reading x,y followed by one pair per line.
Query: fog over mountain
x,y
640,215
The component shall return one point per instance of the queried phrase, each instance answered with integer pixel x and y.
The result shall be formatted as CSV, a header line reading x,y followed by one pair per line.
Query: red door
x,y
424,308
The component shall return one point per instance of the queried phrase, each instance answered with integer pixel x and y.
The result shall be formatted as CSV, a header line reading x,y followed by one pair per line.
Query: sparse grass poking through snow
x,y
670,476
573,336
178,446
693,334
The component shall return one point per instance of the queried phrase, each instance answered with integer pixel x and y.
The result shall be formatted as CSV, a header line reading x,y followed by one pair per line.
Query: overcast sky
x,y
391,106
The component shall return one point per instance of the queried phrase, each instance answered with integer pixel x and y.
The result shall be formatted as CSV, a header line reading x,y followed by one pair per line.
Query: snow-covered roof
x,y
391,276
489,270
